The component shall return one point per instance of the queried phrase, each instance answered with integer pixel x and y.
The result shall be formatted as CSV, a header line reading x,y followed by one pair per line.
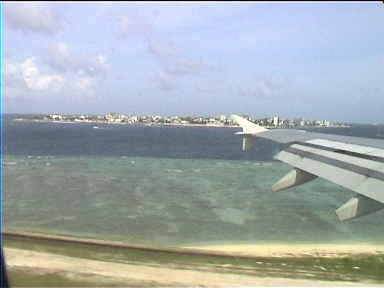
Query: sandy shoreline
x,y
240,249
109,273
87,261
286,250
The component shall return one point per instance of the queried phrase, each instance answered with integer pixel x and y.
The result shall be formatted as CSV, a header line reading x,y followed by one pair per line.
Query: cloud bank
x,y
61,72
32,17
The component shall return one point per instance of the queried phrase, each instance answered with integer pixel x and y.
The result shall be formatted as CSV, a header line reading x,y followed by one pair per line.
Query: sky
x,y
311,60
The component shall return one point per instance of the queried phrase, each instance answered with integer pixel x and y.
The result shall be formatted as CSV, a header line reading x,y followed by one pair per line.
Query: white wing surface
x,y
352,162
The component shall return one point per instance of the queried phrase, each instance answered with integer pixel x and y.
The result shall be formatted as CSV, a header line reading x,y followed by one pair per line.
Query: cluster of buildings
x,y
147,119
292,123
221,120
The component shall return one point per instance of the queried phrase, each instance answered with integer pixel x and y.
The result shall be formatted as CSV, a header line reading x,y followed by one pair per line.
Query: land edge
x,y
39,269
127,124
32,262
231,250
170,124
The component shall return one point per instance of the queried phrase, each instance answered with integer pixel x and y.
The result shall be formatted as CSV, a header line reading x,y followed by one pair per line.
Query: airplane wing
x,y
352,162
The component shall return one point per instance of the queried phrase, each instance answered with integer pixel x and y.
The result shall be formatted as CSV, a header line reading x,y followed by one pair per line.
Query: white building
x,y
276,121
56,117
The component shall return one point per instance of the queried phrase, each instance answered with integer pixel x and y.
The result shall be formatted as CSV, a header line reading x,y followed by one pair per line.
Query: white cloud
x,y
32,17
164,82
102,60
24,81
84,83
59,57
162,49
85,86
38,81
173,62
26,77
83,71
165,53
62,50
62,59
133,25
11,70
14,83
265,89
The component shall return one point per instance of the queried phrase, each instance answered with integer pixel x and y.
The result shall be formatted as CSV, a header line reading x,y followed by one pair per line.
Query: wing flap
x,y
365,150
353,160
354,181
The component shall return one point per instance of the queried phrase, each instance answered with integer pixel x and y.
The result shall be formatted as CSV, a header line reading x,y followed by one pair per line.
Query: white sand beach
x,y
108,273
284,250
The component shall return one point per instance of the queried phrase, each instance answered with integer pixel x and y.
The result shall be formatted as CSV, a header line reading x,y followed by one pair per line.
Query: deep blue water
x,y
113,140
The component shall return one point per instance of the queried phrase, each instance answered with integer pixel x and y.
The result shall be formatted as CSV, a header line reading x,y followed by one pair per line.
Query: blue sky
x,y
311,60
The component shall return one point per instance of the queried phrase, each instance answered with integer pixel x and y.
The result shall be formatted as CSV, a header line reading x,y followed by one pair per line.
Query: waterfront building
x,y
276,120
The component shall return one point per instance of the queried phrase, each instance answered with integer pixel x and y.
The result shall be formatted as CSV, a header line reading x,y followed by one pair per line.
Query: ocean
x,y
167,186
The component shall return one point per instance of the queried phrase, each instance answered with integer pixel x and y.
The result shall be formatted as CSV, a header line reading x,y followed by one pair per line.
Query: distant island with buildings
x,y
215,121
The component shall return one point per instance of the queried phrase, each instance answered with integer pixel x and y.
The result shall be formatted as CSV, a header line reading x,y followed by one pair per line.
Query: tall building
x,y
223,118
276,120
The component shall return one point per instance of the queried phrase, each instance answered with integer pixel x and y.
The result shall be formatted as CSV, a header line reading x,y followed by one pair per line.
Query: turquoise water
x,y
170,202
167,186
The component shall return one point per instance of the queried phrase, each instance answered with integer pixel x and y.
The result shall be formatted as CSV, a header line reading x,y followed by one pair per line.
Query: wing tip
x,y
248,126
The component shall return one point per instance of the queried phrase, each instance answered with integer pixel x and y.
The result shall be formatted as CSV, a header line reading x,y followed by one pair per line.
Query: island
x,y
211,121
